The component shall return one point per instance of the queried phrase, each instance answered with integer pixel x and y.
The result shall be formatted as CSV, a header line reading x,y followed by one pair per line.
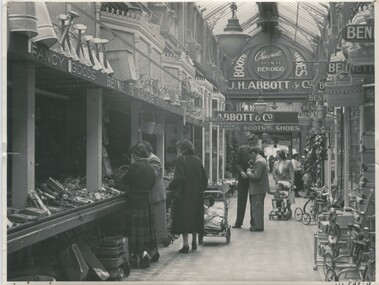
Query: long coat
x,y
158,199
258,177
141,231
190,180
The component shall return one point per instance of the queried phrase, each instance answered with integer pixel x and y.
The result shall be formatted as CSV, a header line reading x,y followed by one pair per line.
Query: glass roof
x,y
300,22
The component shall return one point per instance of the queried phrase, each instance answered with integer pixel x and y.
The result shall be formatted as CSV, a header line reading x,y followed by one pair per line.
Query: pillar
x,y
136,134
94,139
161,146
346,154
23,132
210,152
223,154
179,131
218,155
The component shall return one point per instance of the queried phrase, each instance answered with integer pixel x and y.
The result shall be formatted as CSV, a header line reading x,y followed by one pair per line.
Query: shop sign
x,y
269,85
47,56
337,67
81,70
321,84
272,128
368,94
358,33
362,69
240,117
317,98
270,62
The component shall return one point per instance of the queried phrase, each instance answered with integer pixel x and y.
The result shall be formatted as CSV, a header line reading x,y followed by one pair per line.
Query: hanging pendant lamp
x,y
232,41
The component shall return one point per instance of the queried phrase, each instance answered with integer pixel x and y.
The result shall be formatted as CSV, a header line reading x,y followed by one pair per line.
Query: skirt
x,y
160,220
140,224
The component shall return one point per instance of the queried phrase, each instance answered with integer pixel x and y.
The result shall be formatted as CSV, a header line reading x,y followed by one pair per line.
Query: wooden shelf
x,y
26,235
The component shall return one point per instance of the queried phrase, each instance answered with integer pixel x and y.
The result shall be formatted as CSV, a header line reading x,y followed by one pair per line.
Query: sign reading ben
x,y
271,68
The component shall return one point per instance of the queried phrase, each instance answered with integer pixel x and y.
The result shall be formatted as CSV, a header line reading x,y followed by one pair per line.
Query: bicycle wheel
x,y
328,263
298,214
306,219
331,275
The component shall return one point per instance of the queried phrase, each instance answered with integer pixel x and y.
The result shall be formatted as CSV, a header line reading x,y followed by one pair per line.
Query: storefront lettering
x,y
235,117
301,68
116,84
81,70
306,84
259,85
317,98
263,55
239,68
359,33
46,55
337,67
272,128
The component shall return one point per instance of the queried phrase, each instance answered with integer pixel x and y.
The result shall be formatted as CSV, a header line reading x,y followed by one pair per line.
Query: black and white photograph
x,y
206,141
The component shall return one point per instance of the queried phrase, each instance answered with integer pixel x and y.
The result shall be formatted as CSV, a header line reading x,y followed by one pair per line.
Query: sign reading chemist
x,y
269,62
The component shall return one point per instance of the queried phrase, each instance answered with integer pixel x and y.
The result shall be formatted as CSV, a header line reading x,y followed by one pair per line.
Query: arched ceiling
x,y
300,22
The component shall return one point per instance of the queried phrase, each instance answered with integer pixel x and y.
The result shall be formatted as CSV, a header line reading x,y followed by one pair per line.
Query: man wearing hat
x,y
241,165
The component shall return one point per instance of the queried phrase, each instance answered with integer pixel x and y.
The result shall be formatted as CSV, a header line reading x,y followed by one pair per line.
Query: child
x,y
279,195
213,219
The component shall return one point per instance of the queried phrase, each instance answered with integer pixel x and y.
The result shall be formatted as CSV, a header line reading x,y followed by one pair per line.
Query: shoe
x,y
194,246
236,227
145,262
252,229
184,249
155,257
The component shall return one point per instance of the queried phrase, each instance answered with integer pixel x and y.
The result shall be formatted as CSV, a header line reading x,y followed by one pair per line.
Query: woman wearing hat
x,y
190,180
283,172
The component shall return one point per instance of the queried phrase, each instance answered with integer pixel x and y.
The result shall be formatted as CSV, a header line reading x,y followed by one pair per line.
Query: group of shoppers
x,y
146,220
147,223
253,181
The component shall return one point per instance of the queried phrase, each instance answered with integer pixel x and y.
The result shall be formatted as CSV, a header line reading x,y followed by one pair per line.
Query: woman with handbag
x,y
190,180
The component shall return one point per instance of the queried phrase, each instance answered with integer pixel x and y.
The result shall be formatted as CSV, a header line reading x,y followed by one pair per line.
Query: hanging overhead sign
x,y
228,117
269,62
272,128
358,33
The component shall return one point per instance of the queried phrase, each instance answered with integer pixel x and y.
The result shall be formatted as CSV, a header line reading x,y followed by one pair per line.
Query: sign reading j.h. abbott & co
x,y
270,62
241,117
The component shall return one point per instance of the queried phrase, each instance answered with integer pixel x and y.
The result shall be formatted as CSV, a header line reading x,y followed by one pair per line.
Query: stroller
x,y
218,226
281,206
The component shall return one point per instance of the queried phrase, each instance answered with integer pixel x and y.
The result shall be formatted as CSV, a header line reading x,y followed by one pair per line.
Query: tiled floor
x,y
283,252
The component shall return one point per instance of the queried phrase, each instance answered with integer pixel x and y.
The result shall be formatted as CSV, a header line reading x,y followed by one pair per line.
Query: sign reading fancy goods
x,y
270,62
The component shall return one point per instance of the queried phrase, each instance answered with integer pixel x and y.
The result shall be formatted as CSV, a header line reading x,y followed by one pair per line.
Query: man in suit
x,y
259,186
241,164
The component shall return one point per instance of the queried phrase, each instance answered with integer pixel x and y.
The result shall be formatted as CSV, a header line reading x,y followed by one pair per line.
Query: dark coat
x,y
190,180
258,177
140,177
242,160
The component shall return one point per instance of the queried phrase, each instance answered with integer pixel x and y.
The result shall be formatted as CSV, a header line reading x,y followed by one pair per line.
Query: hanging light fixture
x,y
232,41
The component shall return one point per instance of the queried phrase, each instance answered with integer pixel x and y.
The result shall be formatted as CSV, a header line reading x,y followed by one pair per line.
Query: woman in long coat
x,y
190,180
140,180
158,199
283,171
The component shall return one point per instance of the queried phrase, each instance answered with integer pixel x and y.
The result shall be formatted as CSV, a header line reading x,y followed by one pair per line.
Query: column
x,y
223,154
203,145
210,151
218,155
161,147
136,134
23,132
94,139
179,131
346,154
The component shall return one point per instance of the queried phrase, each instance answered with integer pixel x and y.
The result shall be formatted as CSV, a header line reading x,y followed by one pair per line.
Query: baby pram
x,y
218,226
281,206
